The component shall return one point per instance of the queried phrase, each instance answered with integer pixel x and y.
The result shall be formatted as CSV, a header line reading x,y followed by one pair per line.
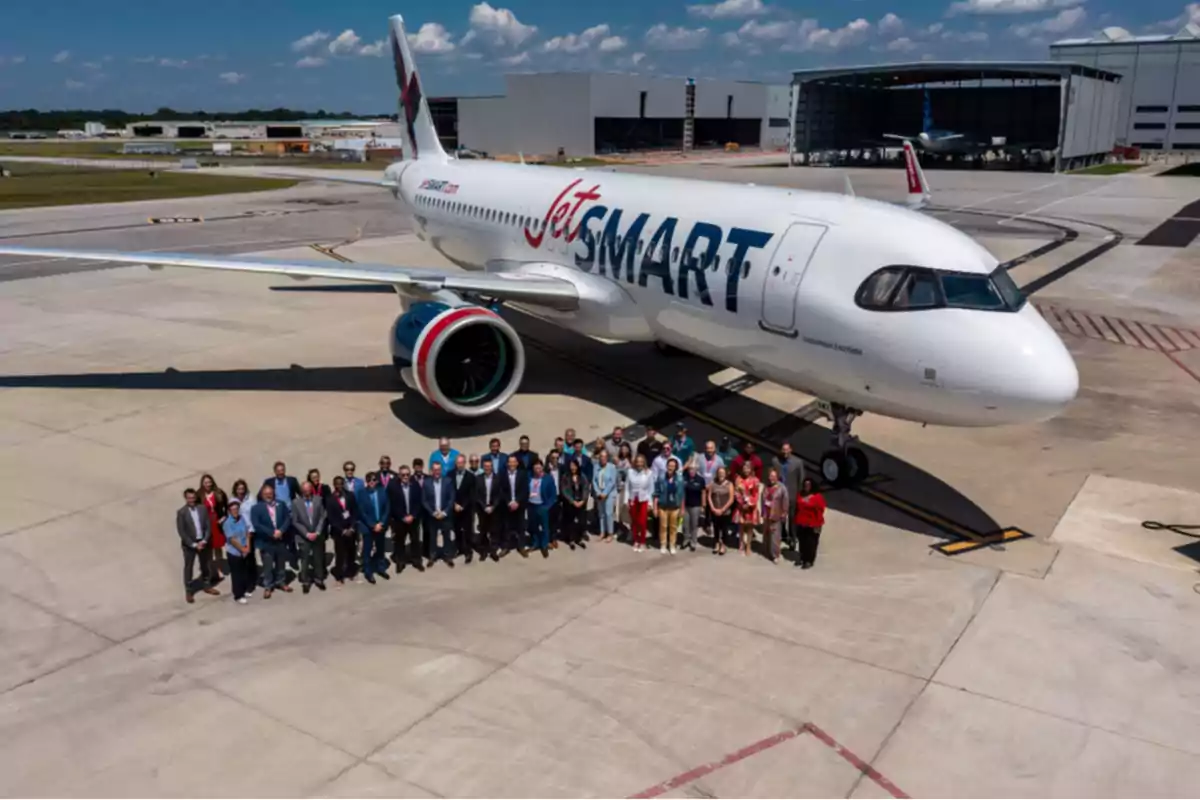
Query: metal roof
x,y
916,72
1115,35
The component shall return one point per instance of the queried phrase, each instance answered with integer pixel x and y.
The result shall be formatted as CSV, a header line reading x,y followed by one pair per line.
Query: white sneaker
x,y
662,549
242,600
672,551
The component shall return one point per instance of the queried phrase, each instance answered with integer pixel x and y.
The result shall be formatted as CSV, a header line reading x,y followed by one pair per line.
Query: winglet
x,y
849,185
918,188
416,122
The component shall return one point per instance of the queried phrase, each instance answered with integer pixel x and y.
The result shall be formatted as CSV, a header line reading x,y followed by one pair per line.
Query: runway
x,y
1051,663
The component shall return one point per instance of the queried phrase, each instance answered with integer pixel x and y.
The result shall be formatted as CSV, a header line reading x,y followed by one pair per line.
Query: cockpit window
x,y
914,288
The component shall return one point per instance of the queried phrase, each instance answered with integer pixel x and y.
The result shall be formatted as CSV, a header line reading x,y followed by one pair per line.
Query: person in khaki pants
x,y
668,498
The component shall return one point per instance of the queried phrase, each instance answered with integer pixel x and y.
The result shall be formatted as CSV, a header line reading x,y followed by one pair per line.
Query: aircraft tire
x,y
857,465
834,468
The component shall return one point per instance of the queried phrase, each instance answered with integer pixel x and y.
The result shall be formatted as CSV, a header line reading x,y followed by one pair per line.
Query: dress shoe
x,y
191,598
450,563
572,546
467,559
267,594
306,588
495,556
286,588
321,585
210,590
384,575
420,567
583,545
430,563
545,552
524,553
370,579
399,568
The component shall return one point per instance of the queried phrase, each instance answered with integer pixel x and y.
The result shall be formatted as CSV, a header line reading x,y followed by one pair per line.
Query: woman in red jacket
x,y
810,518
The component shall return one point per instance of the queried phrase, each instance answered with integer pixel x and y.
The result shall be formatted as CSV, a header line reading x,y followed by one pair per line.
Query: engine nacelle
x,y
463,358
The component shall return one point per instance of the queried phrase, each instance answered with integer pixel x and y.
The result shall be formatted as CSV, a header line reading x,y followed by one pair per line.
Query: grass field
x,y
1107,169
32,185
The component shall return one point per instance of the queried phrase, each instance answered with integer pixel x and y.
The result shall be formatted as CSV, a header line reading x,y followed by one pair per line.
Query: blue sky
x,y
232,54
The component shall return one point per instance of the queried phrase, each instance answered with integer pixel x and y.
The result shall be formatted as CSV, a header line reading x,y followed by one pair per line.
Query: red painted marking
x,y
910,166
1134,340
1183,367
447,318
701,771
562,211
856,762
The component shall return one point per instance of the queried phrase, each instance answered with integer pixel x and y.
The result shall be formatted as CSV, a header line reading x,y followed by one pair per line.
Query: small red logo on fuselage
x,y
561,214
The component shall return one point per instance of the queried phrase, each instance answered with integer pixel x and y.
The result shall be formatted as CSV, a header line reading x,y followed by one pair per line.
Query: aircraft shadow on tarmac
x,y
915,500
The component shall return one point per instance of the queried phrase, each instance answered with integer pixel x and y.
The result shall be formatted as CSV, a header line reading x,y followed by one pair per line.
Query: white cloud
x,y
1066,20
61,56
376,48
850,34
636,58
663,37
145,59
305,42
519,58
346,43
966,37
768,31
576,43
497,27
890,24
432,37
1008,6
11,60
178,63
611,44
935,29
232,78
310,61
728,9
901,45
73,84
91,65
1190,16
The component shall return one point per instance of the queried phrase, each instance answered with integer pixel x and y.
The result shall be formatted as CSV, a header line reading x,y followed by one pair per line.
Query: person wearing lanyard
x,y
272,521
353,484
604,488
639,488
241,493
542,497
342,513
575,490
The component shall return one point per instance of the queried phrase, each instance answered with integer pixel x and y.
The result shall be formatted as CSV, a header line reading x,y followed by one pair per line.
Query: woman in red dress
x,y
748,503
216,502
810,519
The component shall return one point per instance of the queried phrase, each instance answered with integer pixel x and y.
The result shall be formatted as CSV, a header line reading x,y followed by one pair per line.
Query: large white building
x,y
1160,86
585,113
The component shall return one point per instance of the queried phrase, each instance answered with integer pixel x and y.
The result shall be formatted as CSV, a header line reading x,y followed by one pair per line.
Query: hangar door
x,y
785,271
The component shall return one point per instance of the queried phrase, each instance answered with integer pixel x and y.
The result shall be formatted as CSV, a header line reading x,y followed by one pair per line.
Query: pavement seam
x,y
874,759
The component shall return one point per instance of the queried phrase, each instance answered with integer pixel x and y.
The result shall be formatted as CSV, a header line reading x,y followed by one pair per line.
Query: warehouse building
x,y
1027,107
589,113
1159,106
224,129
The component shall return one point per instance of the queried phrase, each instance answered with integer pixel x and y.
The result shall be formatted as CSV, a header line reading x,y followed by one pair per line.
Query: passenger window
x,y
674,255
641,246
876,291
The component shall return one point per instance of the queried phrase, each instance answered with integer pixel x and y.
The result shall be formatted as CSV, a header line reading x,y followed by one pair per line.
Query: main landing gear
x,y
845,464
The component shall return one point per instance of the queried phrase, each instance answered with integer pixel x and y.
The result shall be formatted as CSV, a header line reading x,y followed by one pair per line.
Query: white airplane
x,y
867,305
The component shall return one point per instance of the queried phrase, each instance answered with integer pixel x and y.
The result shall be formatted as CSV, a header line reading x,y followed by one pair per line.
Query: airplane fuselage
x,y
758,278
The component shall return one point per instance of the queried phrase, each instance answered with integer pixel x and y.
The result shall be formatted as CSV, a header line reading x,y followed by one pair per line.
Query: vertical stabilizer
x,y
416,122
918,189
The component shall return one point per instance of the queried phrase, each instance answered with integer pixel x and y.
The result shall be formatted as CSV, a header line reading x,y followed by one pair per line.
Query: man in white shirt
x,y
659,467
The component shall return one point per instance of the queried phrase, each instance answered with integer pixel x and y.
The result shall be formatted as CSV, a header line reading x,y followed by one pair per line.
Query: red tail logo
x,y
910,165
410,94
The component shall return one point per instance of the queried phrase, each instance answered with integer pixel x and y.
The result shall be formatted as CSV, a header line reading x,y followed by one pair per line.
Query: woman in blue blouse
x,y
604,487
237,550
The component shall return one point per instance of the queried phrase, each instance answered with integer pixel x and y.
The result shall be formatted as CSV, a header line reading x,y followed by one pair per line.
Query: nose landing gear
x,y
845,464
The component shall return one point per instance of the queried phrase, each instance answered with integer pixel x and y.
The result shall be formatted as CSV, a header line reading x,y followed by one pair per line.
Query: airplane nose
x,y
1052,379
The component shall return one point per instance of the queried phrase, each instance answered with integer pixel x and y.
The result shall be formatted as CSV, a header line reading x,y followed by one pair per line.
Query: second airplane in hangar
x,y
870,306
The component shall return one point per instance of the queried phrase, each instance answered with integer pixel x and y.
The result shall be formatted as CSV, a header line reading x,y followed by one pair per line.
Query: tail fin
x,y
918,188
416,122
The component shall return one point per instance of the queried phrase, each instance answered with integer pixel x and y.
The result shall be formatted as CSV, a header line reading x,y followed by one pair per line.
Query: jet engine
x,y
463,358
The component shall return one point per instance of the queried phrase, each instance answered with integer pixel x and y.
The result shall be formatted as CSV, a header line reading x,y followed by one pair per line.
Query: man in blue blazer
x,y
373,513
272,523
438,498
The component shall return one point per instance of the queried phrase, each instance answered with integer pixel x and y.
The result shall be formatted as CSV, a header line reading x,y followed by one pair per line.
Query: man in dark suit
x,y
308,521
791,475
438,499
525,456
272,523
372,524
514,494
386,475
419,477
404,499
488,511
341,512
287,490
195,537
464,507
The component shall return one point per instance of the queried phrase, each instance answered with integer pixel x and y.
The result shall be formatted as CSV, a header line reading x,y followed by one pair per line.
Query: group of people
x,y
493,504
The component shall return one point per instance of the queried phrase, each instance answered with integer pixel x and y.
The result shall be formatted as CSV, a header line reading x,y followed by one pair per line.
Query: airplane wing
x,y
541,291
899,137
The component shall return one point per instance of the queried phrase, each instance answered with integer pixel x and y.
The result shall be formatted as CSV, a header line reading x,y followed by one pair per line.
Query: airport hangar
x,y
1053,106
581,114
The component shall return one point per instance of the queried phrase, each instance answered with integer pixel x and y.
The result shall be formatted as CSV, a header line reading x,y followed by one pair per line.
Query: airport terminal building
x,y
589,113
1067,109
1159,107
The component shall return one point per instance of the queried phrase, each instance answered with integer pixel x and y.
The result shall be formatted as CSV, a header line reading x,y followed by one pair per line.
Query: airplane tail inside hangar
x,y
1057,113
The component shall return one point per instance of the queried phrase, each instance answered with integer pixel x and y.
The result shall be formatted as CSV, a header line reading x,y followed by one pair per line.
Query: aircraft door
x,y
785,271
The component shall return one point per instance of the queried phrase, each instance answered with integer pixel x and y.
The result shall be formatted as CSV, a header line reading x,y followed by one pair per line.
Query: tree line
x,y
35,120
